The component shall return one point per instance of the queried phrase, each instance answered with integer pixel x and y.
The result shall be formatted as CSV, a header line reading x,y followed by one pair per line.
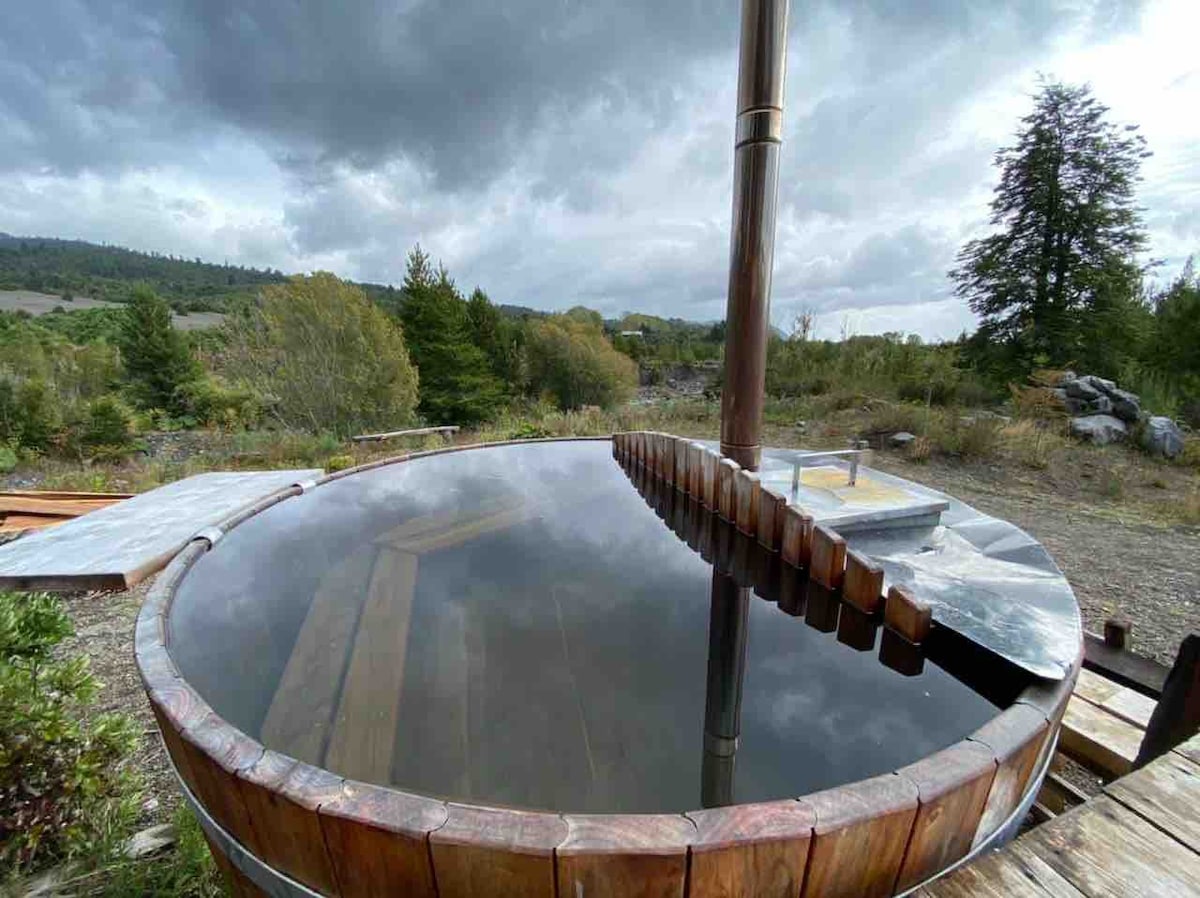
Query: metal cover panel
x,y
118,546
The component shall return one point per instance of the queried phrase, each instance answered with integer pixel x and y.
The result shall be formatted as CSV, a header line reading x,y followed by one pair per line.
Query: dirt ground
x,y
104,624
1117,560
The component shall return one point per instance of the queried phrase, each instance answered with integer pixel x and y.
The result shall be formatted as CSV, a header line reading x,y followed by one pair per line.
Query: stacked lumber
x,y
22,510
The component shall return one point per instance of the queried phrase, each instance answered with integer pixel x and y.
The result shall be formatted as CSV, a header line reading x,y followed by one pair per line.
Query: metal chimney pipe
x,y
762,66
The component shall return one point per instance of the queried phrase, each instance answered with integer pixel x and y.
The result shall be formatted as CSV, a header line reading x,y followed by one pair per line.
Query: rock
x,y
151,840
1098,383
1099,429
1081,389
1067,376
901,439
1101,405
1161,436
1126,405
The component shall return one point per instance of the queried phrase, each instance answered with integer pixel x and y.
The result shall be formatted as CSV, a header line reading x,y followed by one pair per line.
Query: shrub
x,y
1037,402
8,459
339,463
29,413
1031,443
572,361
211,402
63,784
324,357
107,423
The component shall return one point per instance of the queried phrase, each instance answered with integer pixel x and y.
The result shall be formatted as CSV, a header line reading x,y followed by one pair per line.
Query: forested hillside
x,y
77,268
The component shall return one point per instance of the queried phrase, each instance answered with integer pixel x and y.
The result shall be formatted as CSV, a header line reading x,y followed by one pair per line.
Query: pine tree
x,y
1058,282
156,357
458,385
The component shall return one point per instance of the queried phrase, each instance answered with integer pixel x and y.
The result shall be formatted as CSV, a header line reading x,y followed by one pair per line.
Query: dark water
x,y
563,648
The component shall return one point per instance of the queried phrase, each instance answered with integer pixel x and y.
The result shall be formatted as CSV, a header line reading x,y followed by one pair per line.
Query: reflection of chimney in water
x,y
729,607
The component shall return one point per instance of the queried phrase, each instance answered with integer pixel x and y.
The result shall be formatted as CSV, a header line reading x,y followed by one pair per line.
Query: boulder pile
x,y
1102,413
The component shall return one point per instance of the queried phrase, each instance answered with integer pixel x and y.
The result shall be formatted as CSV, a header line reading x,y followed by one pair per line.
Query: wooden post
x,y
1176,717
1117,632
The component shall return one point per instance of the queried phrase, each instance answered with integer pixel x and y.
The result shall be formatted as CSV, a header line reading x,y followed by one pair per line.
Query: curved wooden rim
x,y
982,778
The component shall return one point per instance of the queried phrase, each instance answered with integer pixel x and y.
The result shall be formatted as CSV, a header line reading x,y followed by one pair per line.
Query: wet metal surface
x,y
550,645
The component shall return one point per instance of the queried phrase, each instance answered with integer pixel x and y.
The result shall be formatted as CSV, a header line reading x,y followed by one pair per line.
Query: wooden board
x,y
496,852
859,837
281,797
118,546
953,787
376,840
363,737
1098,739
16,523
1015,739
750,850
298,721
1015,873
631,856
1125,703
828,557
1167,793
216,753
1129,669
863,587
1190,749
1108,851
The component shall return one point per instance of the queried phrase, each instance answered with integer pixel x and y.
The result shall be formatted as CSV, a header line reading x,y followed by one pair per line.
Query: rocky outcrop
x,y
1102,413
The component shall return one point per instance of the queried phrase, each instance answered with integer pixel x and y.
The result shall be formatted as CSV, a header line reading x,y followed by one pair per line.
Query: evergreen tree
x,y
501,339
156,357
1176,334
1059,279
458,385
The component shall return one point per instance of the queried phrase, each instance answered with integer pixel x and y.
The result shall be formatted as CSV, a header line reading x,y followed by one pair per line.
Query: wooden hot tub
x,y
341,811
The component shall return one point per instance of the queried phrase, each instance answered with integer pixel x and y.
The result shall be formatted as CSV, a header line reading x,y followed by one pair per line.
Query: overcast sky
x,y
558,152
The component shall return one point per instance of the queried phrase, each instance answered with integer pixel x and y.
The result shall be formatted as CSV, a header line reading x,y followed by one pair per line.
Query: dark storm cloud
x,y
554,151
460,87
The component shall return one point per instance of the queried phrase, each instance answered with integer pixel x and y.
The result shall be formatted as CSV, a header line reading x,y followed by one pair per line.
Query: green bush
x,y
211,402
64,786
324,357
8,459
572,361
107,423
157,358
29,414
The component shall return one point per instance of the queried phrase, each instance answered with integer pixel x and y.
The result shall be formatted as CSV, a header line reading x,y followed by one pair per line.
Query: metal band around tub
x,y
272,881
280,885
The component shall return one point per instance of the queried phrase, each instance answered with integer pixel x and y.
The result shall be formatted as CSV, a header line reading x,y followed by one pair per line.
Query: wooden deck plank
x,y
1190,749
1167,793
1015,873
1094,687
363,738
1098,739
1130,706
1108,851
297,722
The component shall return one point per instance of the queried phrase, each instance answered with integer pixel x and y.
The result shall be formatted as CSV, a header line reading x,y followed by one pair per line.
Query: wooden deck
x,y
1140,837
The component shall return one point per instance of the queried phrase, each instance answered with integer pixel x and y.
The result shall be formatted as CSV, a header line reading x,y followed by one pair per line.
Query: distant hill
x,y
109,273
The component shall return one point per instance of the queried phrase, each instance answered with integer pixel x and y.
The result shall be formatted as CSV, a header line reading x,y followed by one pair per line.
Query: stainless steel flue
x,y
762,67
